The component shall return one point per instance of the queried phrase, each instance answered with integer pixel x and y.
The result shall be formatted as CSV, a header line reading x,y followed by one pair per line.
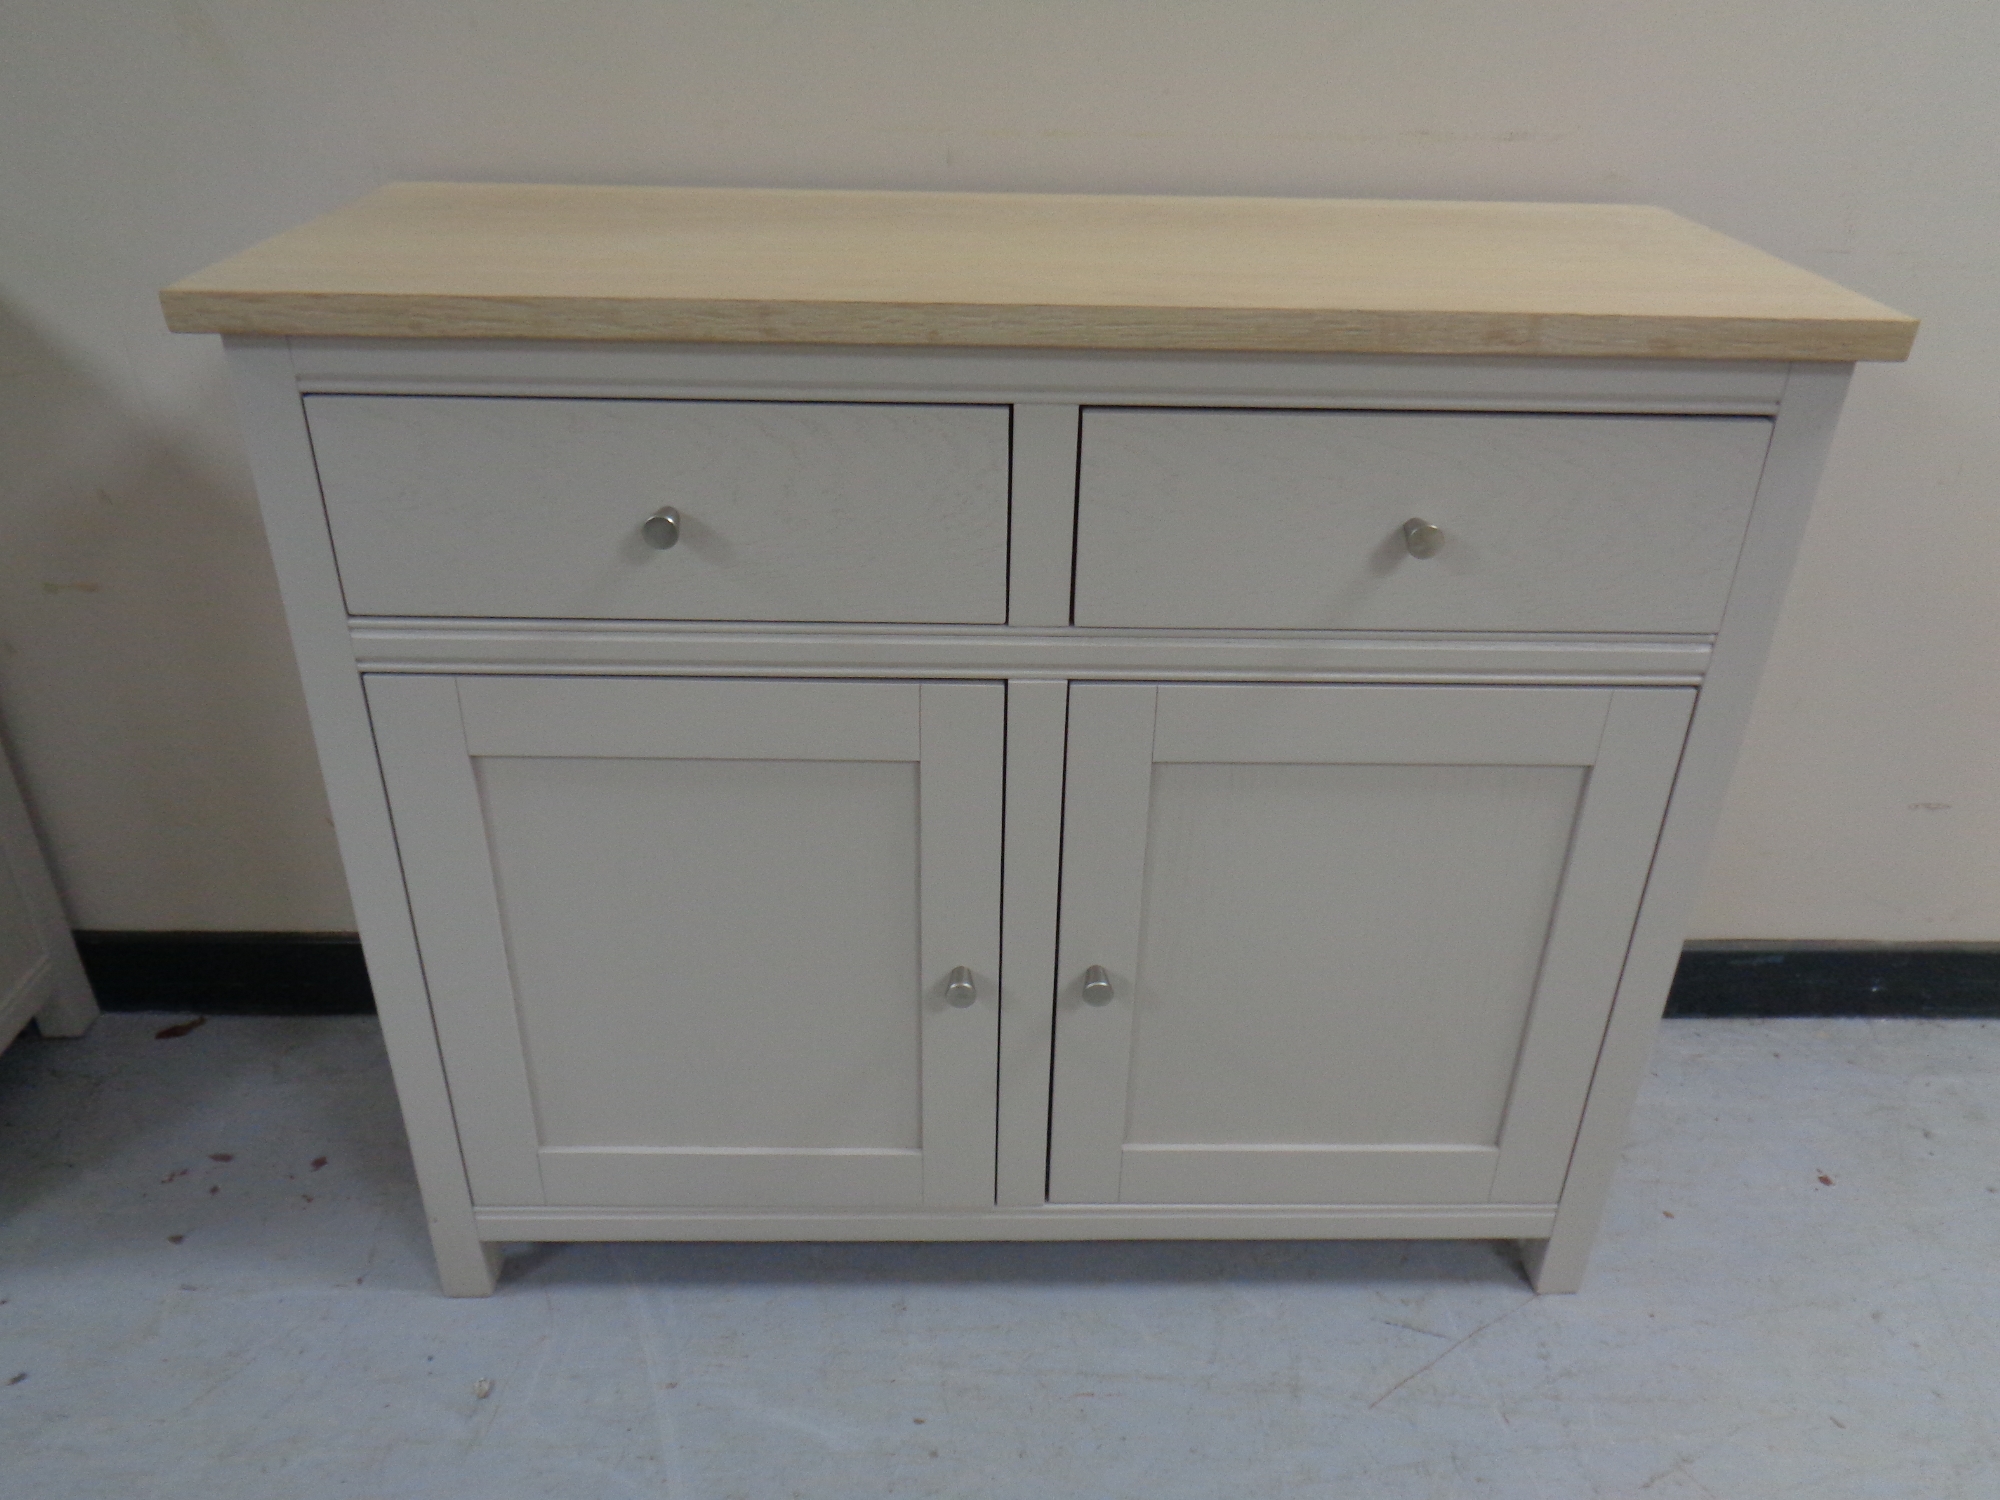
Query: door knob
x,y
1421,538
662,528
1096,986
959,990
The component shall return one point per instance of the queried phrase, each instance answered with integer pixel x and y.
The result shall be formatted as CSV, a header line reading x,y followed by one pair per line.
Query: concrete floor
x,y
214,1283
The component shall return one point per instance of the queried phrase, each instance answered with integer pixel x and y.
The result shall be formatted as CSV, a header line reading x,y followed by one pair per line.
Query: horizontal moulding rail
x,y
882,651
958,671
1431,383
1250,400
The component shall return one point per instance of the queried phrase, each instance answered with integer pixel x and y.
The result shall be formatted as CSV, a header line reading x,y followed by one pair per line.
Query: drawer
x,y
1293,519
531,507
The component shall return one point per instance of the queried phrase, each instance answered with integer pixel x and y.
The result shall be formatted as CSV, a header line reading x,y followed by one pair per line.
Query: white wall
x,y
144,681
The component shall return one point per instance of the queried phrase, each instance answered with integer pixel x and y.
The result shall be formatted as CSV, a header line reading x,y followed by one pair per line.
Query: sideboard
x,y
954,716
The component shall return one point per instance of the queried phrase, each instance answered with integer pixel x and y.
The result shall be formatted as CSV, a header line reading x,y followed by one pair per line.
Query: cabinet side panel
x,y
1803,433
281,462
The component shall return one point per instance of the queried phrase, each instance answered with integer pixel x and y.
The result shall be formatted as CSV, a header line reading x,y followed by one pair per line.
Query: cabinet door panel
x,y
805,887
1355,932
686,940
1267,884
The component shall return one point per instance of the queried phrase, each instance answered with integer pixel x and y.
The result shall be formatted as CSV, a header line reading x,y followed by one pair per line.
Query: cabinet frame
x,y
1036,653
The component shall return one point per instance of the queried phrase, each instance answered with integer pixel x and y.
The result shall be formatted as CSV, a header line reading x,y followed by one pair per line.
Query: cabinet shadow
x,y
1039,1263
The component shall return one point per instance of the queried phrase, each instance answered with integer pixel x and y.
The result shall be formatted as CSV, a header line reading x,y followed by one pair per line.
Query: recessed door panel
x,y
758,995
1341,953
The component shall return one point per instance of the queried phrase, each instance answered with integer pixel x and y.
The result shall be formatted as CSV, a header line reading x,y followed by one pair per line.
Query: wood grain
x,y
768,266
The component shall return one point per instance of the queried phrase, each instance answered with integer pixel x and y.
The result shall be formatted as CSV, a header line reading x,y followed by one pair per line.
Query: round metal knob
x,y
1096,986
959,990
662,528
1422,538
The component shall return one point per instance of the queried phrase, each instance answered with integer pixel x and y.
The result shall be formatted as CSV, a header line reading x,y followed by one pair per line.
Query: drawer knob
x,y
959,989
1096,986
662,528
1422,538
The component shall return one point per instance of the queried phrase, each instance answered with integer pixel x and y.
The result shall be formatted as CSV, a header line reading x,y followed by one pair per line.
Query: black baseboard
x,y
1837,979
321,974
228,973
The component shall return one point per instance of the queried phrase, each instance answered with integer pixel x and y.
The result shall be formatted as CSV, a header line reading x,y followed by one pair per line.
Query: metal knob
x,y
1422,538
1096,986
959,990
662,528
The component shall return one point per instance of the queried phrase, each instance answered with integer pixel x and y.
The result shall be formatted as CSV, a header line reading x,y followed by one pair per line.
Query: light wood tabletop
x,y
1026,270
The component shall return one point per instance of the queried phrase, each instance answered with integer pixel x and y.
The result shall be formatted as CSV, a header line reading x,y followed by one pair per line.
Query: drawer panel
x,y
790,511
1293,519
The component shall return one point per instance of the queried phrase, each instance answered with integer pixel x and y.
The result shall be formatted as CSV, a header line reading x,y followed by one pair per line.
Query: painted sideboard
x,y
951,716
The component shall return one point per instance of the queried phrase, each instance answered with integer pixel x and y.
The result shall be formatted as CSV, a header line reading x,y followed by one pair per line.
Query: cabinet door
x,y
1362,941
687,941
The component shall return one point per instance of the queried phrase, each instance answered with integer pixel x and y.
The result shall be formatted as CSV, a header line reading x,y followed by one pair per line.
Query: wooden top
x,y
766,266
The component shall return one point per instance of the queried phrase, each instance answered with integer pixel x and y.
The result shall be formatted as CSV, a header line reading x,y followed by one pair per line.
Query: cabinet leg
x,y
69,1011
466,1267
1556,1264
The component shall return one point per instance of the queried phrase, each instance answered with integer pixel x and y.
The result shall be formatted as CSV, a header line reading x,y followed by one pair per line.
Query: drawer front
x,y
1293,519
534,508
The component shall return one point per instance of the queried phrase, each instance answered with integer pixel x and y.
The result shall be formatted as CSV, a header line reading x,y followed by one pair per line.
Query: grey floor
x,y
213,1283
